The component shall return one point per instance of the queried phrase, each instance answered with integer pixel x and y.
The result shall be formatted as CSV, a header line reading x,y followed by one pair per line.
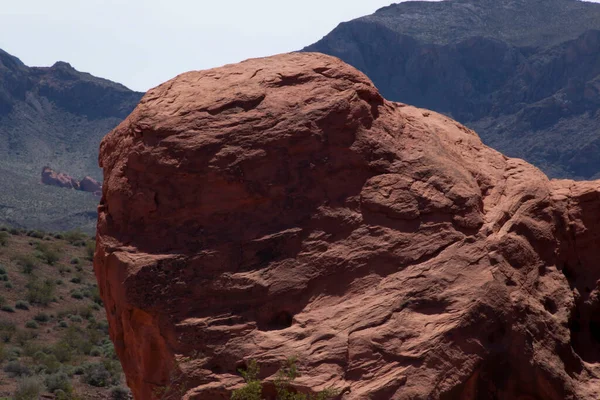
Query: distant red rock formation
x,y
87,184
282,207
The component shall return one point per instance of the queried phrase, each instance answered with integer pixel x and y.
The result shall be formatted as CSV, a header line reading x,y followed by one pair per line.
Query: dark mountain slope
x,y
524,73
53,116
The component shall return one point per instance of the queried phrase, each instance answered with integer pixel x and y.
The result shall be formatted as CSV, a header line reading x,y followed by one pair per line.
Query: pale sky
x,y
142,43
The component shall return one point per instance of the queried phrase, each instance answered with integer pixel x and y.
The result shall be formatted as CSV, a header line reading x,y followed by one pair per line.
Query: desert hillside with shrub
x,y
53,331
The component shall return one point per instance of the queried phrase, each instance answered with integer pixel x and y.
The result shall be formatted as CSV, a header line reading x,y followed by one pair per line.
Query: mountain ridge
x,y
528,99
53,116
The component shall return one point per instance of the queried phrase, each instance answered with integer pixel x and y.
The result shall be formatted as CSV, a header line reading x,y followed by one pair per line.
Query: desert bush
x,y
39,292
7,308
96,352
2,301
76,279
47,253
2,270
63,324
76,319
22,337
17,369
47,363
31,324
36,234
8,285
4,236
119,393
42,317
62,351
74,236
7,331
90,249
27,263
22,305
14,232
4,278
29,388
252,390
286,375
96,374
58,381
77,295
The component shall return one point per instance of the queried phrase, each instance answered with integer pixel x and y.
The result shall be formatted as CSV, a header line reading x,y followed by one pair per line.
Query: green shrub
x,y
97,375
59,282
7,331
42,317
62,351
119,393
31,324
17,369
283,384
29,388
7,308
36,234
2,270
63,324
58,381
75,261
90,249
22,305
76,319
47,363
4,236
253,388
76,279
4,278
47,253
14,232
77,295
96,352
39,292
74,236
8,285
27,263
2,301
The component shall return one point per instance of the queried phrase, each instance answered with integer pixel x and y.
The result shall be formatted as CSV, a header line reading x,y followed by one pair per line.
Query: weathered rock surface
x,y
60,179
282,207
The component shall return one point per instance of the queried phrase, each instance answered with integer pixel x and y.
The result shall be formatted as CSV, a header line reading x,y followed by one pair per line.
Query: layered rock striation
x,y
282,207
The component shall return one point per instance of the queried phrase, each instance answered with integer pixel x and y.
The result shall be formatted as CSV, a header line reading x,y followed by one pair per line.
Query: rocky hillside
x,y
525,74
54,340
54,117
281,207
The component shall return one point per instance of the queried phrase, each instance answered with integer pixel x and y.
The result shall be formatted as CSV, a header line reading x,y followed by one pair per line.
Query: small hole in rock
x,y
281,320
550,306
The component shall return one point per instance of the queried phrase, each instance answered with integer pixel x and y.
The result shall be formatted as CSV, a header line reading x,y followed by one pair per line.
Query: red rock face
x,y
282,207
53,178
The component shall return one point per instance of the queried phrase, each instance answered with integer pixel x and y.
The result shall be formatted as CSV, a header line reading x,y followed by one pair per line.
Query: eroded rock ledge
x,y
281,206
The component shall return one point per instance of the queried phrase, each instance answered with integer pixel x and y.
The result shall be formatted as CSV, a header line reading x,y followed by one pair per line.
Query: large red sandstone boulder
x,y
282,207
